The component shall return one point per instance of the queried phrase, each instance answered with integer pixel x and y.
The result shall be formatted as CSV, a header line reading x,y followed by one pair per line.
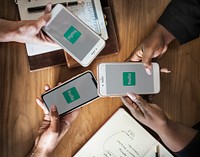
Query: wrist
x,y
166,35
36,152
17,33
8,30
176,136
165,127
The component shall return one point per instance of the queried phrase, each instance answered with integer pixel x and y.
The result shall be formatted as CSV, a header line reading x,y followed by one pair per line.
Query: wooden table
x,y
21,117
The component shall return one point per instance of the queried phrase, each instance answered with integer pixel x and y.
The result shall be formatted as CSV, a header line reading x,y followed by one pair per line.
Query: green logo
x,y
129,78
71,95
72,34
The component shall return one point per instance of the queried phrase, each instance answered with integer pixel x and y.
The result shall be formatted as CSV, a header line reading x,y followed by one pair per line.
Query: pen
x,y
42,8
157,151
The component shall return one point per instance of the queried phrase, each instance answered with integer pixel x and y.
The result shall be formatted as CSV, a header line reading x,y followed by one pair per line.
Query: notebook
x,y
122,136
90,12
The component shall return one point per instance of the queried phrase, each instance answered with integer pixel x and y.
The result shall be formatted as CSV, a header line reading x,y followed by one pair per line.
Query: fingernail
x,y
53,108
75,113
165,70
48,7
46,87
37,100
148,71
132,96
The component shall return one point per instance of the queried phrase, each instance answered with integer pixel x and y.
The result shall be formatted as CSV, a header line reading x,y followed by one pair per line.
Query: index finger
x,y
55,120
128,103
48,8
42,21
42,106
136,55
147,57
138,100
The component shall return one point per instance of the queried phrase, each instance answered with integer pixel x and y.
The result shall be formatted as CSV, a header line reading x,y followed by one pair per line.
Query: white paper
x,y
90,13
122,136
34,49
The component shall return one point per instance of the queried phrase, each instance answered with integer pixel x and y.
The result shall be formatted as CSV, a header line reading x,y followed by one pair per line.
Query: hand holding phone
x,y
116,79
72,94
74,36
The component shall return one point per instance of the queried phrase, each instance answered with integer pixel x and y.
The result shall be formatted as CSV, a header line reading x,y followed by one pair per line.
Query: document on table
x,y
90,13
122,136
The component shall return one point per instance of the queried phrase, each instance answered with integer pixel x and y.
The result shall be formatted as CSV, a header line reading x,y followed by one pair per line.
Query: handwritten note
x,y
122,136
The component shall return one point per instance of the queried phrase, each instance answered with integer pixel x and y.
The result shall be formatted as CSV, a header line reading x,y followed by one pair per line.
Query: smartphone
x,y
74,36
116,79
72,94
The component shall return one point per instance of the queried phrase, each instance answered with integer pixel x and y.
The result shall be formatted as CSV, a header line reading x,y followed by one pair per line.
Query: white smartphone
x,y
74,36
73,93
116,79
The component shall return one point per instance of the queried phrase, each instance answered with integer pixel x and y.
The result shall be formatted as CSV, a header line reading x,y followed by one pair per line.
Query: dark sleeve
x,y
192,149
182,19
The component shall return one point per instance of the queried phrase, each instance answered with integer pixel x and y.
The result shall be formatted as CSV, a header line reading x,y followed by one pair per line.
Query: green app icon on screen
x,y
72,34
71,95
129,79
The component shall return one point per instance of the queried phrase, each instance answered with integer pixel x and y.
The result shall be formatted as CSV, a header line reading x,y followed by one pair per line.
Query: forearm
x,y
176,136
181,18
8,30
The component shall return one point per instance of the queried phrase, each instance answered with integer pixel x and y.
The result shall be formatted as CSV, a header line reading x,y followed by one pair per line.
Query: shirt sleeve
x,y
182,19
192,149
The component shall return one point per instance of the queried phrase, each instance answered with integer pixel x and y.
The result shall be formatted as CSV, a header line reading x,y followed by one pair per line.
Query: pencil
x,y
157,151
42,8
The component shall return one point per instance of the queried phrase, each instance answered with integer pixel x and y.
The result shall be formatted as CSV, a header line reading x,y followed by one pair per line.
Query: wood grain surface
x,y
134,19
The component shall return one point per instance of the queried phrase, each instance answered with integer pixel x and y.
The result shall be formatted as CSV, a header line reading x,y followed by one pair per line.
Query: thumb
x,y
42,21
48,8
146,59
55,120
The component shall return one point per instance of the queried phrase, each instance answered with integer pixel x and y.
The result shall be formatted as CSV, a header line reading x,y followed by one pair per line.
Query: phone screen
x,y
73,35
72,94
123,78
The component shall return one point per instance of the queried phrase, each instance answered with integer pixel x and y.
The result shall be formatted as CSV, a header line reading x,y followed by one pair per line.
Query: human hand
x,y
155,45
149,114
29,31
174,135
52,130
